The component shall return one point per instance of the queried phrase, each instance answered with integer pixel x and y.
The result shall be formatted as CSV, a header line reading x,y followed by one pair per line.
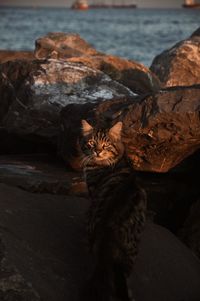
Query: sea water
x,y
138,34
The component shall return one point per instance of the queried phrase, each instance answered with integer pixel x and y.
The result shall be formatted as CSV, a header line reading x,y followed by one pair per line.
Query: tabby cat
x,y
116,216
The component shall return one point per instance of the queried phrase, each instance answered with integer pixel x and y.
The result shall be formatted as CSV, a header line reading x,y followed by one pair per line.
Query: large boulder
x,y
41,173
73,48
33,93
179,65
62,46
159,130
44,241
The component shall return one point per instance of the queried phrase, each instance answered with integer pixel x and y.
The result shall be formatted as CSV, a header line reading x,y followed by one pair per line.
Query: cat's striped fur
x,y
116,216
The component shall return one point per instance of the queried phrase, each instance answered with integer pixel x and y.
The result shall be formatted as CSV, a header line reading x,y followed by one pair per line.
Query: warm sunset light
x,y
99,150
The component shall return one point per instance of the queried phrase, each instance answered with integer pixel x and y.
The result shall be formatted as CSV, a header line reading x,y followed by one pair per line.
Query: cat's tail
x,y
107,285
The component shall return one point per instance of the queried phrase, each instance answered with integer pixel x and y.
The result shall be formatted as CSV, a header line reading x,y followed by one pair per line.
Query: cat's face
x,y
101,147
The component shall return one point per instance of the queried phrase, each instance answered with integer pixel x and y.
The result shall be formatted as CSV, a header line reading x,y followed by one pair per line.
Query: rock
x,y
45,241
190,232
160,130
41,173
163,267
33,93
12,284
131,74
170,195
11,55
179,65
60,45
73,48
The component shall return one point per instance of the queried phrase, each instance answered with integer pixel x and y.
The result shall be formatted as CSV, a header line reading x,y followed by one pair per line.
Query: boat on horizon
x,y
191,4
84,5
80,5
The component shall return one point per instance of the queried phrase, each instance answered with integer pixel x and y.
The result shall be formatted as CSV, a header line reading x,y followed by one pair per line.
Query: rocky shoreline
x,y
44,96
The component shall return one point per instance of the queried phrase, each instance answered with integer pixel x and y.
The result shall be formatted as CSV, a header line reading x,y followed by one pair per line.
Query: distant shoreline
x,y
68,7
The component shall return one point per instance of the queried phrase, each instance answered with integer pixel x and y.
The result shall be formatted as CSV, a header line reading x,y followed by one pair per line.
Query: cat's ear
x,y
115,131
86,127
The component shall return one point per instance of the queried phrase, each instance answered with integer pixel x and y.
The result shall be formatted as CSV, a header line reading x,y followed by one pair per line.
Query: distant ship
x,y
83,4
80,4
191,4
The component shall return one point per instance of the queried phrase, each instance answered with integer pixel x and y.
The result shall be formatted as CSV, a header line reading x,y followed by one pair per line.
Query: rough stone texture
x,y
11,55
73,48
12,284
60,45
179,65
45,241
41,174
159,131
33,93
131,74
190,233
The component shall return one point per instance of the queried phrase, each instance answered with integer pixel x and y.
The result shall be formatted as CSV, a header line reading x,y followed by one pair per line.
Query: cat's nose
x,y
98,152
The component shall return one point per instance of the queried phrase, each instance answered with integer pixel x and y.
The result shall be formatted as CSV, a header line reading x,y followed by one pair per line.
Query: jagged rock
x,y
160,130
131,74
190,232
73,48
11,55
179,65
45,241
60,45
33,93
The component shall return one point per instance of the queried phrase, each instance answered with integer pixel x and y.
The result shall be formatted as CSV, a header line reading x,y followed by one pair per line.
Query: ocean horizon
x,y
137,34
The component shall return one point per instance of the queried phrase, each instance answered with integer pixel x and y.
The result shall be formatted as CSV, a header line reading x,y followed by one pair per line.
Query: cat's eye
x,y
91,143
106,145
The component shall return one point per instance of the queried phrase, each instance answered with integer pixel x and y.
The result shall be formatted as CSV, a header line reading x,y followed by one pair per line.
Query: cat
x,y
116,217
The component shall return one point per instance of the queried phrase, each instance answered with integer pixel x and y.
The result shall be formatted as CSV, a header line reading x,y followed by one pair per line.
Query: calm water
x,y
137,34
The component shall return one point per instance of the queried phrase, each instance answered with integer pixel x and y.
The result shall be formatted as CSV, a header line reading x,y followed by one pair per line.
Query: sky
x,y
141,3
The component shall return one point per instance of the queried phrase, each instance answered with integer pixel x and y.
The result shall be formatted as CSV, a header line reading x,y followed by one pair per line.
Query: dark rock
x,y
163,267
179,65
190,232
45,240
196,33
33,93
41,174
11,55
73,48
170,195
13,286
160,130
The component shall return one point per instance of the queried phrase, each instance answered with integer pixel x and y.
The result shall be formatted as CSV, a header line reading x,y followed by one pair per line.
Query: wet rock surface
x,y
33,93
179,65
45,241
72,48
160,130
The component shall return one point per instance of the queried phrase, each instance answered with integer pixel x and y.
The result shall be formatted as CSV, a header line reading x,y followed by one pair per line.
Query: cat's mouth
x,y
103,161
